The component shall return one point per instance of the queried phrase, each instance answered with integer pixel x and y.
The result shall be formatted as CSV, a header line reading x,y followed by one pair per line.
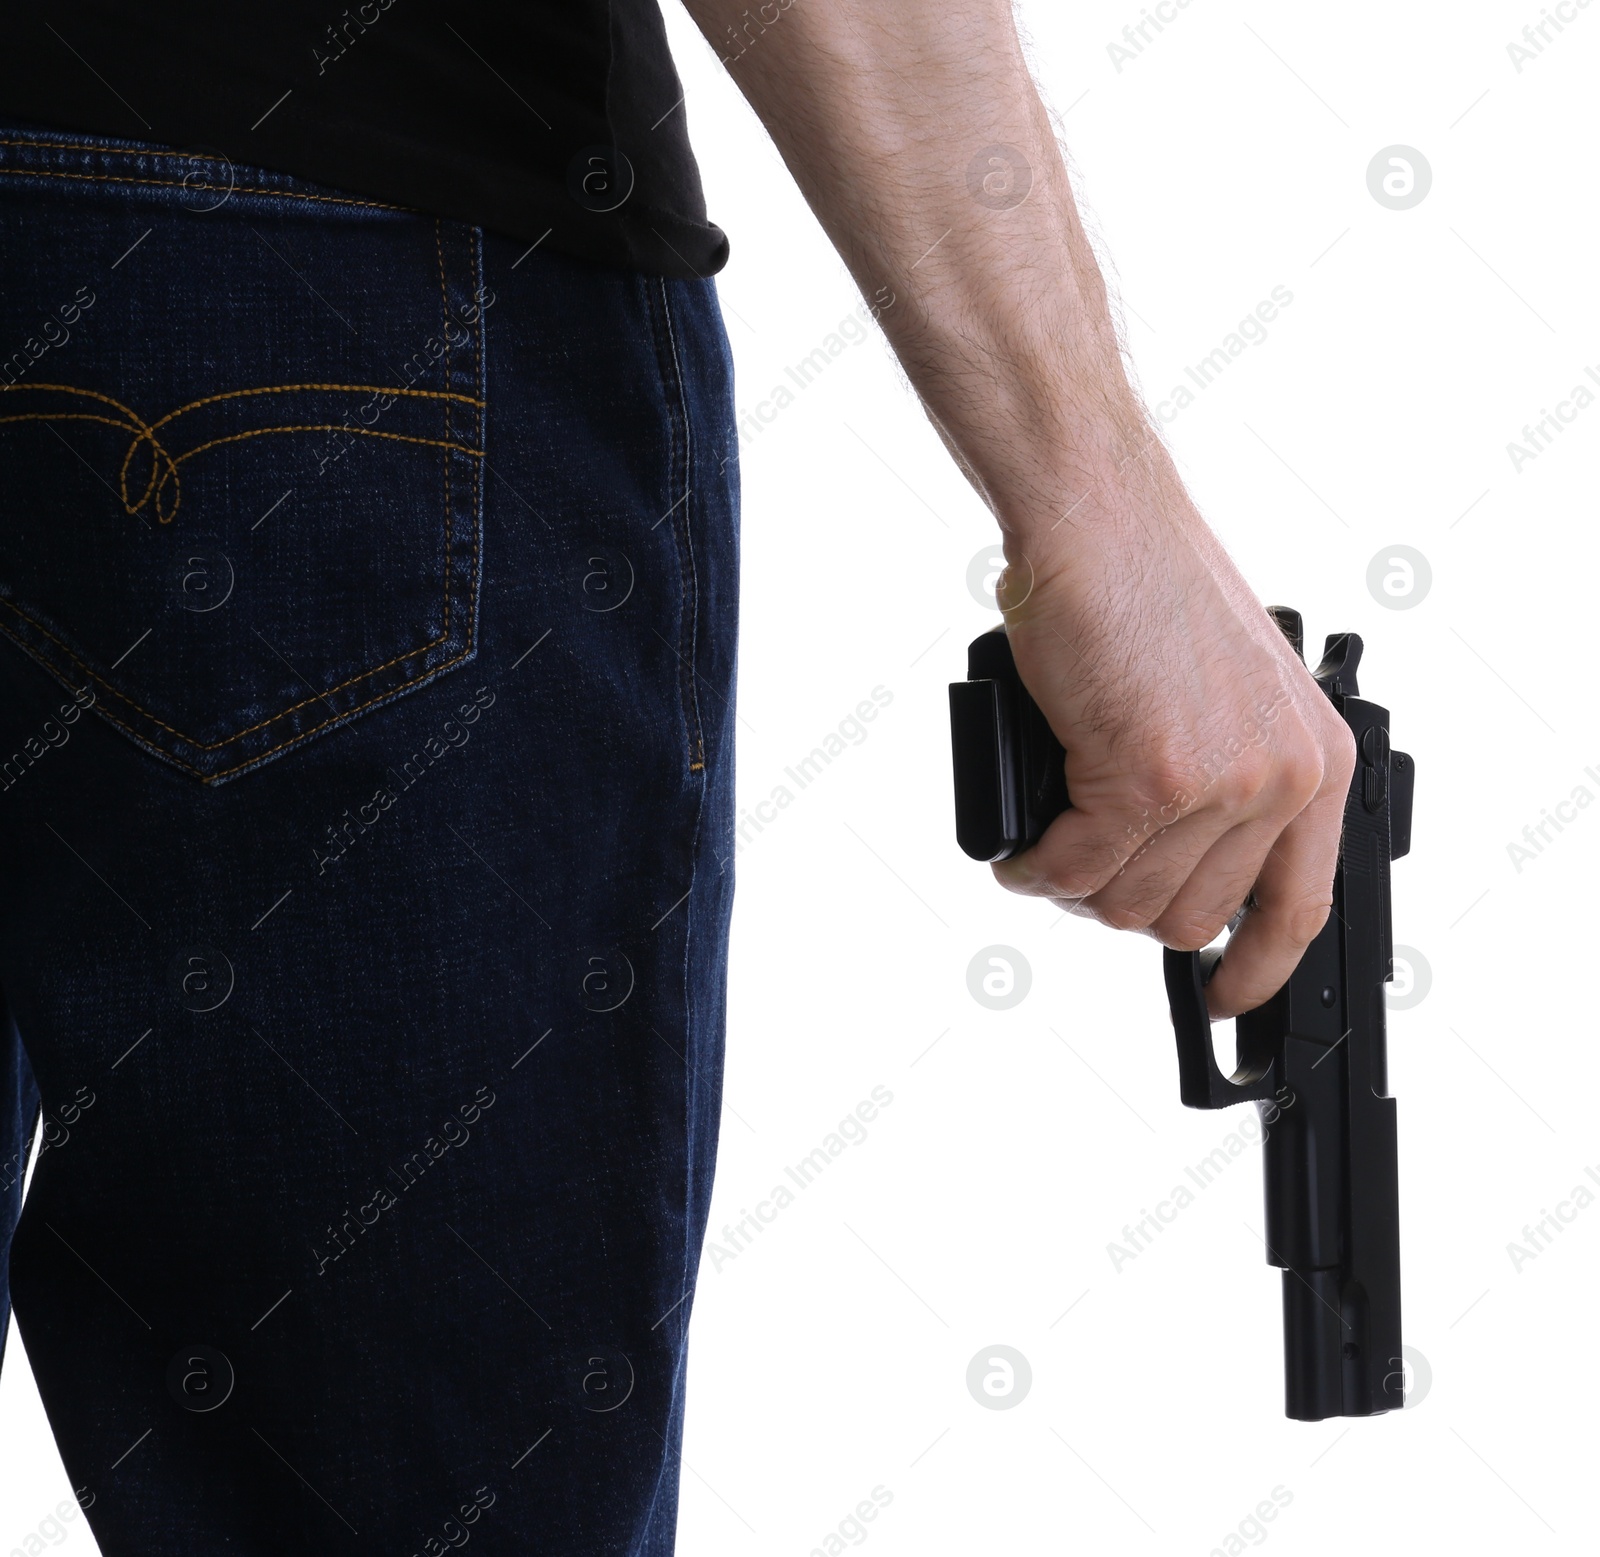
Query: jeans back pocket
x,y
241,446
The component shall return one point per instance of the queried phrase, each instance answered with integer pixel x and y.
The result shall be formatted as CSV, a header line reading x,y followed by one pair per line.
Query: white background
x,y
1230,157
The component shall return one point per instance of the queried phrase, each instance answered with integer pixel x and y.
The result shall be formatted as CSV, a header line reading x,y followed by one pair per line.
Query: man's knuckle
x,y
1167,785
1300,774
1245,777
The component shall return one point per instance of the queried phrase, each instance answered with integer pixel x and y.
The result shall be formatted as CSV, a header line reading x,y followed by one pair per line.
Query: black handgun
x,y
1312,1058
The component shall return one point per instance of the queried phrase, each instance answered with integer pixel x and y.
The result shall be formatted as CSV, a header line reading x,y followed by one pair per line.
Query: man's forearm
x,y
917,136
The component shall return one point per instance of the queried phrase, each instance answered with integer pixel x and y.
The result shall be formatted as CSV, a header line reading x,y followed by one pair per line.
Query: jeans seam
x,y
683,459
690,1069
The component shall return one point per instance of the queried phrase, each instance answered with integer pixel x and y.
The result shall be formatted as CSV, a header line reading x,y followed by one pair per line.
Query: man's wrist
x,y
1032,396
1094,472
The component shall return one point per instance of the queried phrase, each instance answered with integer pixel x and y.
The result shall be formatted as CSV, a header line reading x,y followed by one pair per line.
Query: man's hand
x,y
1202,760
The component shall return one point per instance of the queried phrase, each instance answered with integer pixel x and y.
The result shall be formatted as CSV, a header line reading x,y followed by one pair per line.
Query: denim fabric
x,y
368,589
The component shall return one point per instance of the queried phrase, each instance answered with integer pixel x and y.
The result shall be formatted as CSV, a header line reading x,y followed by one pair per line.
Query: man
x,y
369,581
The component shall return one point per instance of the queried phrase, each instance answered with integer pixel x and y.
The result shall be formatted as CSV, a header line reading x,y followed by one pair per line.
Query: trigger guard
x,y
1201,1083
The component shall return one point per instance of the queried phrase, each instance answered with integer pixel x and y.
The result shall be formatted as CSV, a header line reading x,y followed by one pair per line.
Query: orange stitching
x,y
366,432
284,389
89,416
140,425
67,416
152,485
167,183
91,394
145,432
318,697
256,432
270,389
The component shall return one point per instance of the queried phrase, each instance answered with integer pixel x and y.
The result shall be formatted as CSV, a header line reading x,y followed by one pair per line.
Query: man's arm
x,y
1202,760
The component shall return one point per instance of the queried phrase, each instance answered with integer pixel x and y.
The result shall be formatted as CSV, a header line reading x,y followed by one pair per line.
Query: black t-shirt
x,y
556,121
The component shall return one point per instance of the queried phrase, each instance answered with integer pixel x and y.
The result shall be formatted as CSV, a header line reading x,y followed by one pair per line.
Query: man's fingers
x,y
1125,872
1204,904
1074,858
1293,895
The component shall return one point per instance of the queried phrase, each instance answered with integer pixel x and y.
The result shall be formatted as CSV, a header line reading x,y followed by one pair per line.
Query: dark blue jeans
x,y
368,593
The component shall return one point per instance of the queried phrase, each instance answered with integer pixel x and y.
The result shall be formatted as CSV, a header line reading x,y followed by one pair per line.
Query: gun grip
x,y
1201,1083
983,743
1010,770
